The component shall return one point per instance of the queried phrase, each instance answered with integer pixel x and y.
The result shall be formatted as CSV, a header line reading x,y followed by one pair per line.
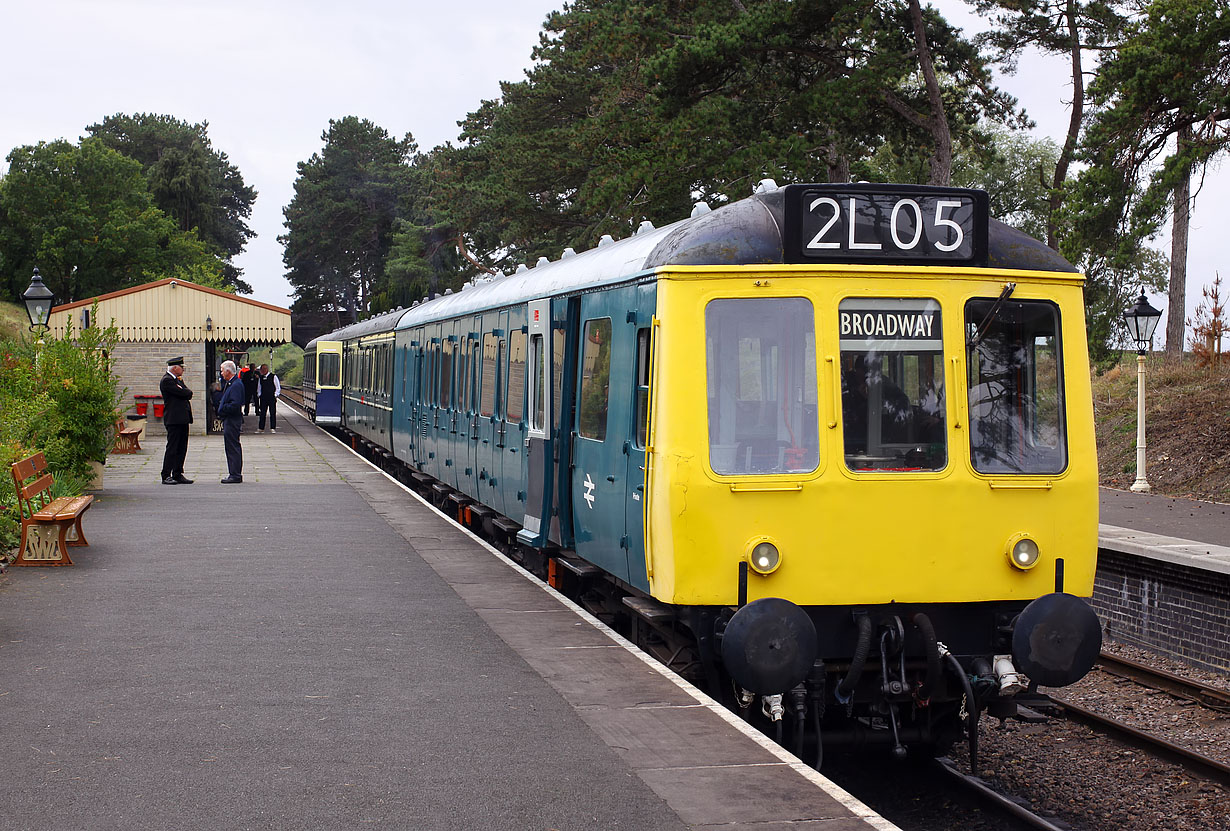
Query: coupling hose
x,y
933,655
861,650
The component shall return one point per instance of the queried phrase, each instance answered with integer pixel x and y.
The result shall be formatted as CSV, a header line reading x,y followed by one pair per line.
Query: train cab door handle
x,y
610,478
835,386
954,381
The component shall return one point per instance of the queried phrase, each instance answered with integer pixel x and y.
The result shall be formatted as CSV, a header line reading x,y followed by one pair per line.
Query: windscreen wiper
x,y
985,326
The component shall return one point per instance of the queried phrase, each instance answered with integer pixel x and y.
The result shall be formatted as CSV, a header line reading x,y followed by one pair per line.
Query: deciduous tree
x,y
82,215
190,180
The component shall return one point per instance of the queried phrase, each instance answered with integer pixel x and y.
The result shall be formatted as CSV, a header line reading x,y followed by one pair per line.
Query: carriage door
x,y
415,410
602,436
634,448
473,377
538,450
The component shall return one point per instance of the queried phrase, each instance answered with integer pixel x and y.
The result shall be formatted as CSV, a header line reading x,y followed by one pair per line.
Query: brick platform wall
x,y
140,367
1168,608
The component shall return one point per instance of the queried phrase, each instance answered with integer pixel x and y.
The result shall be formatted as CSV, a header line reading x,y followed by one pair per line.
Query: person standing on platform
x,y
230,410
248,376
177,415
270,389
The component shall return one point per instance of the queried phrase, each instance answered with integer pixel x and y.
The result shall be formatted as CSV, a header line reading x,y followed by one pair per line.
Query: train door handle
x,y
610,478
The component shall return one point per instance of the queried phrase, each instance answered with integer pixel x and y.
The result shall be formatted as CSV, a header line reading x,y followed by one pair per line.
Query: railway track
x,y
1214,699
1203,694
1015,813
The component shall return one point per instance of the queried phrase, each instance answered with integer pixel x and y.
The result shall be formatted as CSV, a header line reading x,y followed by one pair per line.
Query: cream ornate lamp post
x,y
38,299
1141,321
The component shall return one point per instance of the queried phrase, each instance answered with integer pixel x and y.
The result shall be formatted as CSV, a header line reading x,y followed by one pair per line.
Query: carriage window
x,y
329,364
892,384
515,394
642,386
760,358
463,378
538,384
1016,409
491,360
559,345
446,374
595,374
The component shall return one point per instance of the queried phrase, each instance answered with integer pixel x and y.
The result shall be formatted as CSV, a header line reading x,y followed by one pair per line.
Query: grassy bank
x,y
1187,422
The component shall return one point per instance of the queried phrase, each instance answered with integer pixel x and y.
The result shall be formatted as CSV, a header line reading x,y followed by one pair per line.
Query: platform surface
x,y
316,649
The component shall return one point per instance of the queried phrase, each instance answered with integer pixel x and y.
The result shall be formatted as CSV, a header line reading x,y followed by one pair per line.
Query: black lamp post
x,y
1141,322
38,299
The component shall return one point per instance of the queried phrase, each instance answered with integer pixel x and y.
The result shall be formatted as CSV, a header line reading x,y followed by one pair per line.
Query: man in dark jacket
x,y
270,389
230,410
250,381
176,417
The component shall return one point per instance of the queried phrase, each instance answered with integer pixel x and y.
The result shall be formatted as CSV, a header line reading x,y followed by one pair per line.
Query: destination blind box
x,y
885,225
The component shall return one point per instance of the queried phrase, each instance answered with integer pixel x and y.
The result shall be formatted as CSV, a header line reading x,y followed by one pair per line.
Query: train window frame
x,y
445,395
594,402
537,383
983,317
518,338
489,383
750,345
328,372
894,408
640,407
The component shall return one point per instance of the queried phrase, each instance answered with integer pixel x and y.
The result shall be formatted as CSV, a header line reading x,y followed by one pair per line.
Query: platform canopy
x,y
175,310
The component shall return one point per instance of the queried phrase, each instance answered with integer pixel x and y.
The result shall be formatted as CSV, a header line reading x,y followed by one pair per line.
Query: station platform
x,y
317,649
1185,532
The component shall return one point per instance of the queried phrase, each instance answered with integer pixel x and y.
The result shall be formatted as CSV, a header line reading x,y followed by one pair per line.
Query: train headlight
x,y
1023,552
764,558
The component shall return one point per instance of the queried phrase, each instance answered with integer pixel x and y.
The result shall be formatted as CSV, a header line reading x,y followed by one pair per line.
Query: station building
x,y
169,318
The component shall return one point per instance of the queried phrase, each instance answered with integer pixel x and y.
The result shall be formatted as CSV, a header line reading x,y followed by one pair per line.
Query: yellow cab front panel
x,y
896,434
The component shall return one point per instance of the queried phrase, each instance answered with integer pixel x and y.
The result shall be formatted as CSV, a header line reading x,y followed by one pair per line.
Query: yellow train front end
x,y
760,435
876,485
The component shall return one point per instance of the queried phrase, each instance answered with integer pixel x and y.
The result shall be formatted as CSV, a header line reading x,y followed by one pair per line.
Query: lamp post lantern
x,y
1141,321
38,299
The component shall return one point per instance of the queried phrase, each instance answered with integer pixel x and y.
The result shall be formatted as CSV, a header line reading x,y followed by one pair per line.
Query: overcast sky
x,y
268,76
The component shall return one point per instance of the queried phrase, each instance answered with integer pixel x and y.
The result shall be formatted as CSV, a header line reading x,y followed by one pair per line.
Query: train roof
x,y
750,231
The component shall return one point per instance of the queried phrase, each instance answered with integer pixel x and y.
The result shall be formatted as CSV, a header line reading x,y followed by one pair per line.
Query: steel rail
x,y
1022,815
1203,694
1194,762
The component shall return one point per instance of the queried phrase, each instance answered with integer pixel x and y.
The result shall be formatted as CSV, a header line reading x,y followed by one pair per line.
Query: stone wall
x,y
140,367
1173,609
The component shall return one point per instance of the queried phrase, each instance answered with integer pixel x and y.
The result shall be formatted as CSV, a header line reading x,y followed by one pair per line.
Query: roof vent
x,y
607,239
700,209
414,304
568,252
765,186
522,267
447,292
541,262
646,225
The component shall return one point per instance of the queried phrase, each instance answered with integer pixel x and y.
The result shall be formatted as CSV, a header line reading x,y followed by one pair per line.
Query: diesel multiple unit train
x,y
828,450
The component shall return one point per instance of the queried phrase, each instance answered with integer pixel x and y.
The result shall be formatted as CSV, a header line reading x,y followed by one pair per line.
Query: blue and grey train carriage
x,y
830,448
322,380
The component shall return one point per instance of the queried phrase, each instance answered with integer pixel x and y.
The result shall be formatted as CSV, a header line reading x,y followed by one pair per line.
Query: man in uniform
x,y
230,410
177,415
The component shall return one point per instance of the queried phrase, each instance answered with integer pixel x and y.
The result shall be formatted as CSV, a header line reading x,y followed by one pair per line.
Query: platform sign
x,y
885,224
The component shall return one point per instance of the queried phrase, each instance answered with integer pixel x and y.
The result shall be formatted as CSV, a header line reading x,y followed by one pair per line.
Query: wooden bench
x,y
48,526
127,439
